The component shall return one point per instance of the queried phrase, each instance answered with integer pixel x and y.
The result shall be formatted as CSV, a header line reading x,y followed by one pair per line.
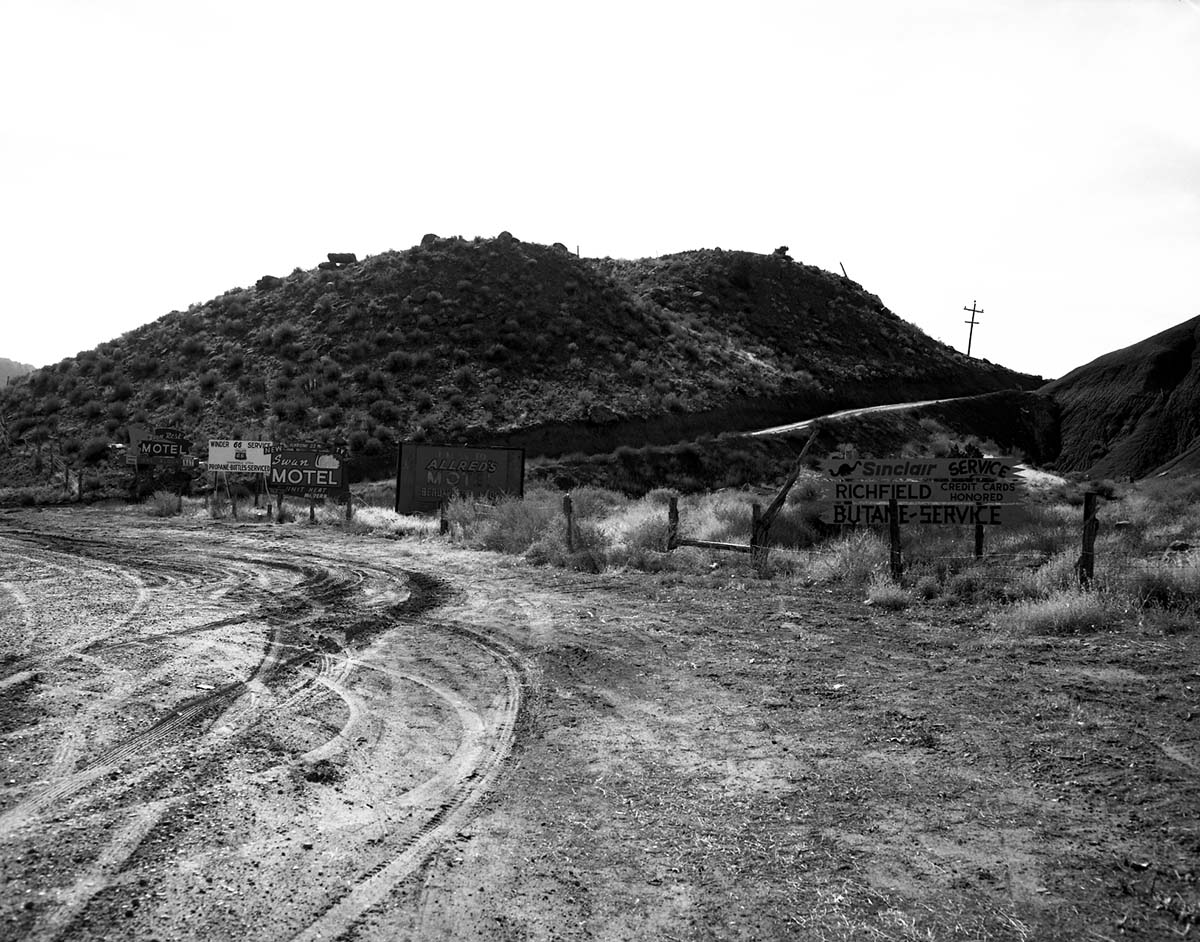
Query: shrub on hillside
x,y
94,450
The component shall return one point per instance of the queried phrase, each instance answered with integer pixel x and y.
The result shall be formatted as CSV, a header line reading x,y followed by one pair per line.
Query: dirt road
x,y
214,729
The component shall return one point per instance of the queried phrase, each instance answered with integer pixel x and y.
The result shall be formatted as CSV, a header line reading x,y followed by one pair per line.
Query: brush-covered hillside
x,y
502,340
10,369
1135,411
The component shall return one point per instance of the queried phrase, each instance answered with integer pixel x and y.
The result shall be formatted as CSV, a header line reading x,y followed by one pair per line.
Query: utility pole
x,y
972,322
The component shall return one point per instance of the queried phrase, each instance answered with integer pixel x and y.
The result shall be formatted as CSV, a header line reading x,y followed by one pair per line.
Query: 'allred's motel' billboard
x,y
429,475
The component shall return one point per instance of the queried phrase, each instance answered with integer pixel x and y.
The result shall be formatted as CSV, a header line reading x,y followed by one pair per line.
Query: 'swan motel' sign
x,y
307,471
429,475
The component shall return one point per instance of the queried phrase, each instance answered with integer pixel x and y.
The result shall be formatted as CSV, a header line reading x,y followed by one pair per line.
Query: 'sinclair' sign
x,y
429,475
920,468
965,491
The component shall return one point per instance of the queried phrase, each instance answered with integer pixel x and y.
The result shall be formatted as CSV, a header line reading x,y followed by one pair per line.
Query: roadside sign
x,y
226,454
946,469
996,491
153,451
137,434
960,514
172,434
953,491
429,475
312,471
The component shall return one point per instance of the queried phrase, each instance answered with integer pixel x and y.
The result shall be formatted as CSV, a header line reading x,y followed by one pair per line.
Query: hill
x,y
10,369
498,340
1135,411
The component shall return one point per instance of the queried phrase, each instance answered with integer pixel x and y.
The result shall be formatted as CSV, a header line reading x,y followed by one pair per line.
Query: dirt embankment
x,y
217,730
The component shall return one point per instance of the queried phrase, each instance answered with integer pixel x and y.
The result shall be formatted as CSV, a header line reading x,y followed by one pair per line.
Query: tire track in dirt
x,y
455,790
24,642
20,669
334,598
124,841
65,779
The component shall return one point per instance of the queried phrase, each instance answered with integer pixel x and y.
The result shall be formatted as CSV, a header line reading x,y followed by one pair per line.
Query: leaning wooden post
x,y
672,522
979,541
1087,560
768,516
349,506
279,507
443,520
567,512
894,533
312,511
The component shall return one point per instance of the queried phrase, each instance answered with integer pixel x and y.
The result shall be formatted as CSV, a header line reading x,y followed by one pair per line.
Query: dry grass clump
x,y
854,559
1063,612
377,521
1168,585
31,496
883,593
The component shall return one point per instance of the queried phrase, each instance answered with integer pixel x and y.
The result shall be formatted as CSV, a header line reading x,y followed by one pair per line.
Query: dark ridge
x,y
1135,411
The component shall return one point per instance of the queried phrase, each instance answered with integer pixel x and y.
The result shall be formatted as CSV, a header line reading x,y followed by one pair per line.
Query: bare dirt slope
x,y
1135,411
236,730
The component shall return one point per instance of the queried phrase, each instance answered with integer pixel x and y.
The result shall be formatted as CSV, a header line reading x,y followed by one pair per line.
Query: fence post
x,y
568,513
672,523
979,541
349,506
444,523
894,533
312,511
1087,560
758,539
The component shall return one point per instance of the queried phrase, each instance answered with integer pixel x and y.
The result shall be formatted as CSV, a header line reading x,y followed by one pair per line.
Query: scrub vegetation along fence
x,y
1144,557
1145,544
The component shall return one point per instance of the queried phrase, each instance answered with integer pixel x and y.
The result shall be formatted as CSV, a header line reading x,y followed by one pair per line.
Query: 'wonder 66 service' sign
x,y
226,454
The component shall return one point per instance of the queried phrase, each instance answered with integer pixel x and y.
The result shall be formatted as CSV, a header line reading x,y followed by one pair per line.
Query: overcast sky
x,y
1041,157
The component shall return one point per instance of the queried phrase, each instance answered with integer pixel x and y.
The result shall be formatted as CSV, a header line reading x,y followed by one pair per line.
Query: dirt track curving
x,y
229,733
235,730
